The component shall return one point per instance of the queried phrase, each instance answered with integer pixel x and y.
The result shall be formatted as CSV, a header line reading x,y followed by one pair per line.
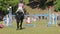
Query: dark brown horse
x,y
19,19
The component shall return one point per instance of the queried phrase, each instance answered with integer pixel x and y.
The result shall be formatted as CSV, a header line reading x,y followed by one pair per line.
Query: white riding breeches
x,y
20,9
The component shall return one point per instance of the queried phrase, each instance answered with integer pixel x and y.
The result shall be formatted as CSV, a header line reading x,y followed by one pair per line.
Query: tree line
x,y
4,4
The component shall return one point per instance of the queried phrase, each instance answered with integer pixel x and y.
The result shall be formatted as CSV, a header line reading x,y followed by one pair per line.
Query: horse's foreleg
x,y
17,24
21,24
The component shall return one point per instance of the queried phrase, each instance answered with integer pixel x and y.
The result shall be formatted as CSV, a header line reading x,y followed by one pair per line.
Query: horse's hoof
x,y
20,28
17,29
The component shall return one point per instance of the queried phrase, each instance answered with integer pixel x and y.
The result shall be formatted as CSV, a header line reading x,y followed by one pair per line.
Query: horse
x,y
19,19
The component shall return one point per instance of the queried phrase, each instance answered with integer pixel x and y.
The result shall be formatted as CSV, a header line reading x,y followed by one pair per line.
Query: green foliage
x,y
4,4
57,5
25,1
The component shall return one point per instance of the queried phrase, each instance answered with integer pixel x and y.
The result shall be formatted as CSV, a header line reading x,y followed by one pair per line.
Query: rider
x,y
20,7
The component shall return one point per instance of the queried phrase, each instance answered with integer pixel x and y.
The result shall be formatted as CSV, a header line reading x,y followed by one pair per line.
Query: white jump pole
x,y
56,19
52,18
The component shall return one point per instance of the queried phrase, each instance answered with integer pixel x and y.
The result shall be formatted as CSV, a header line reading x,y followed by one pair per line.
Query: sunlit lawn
x,y
38,28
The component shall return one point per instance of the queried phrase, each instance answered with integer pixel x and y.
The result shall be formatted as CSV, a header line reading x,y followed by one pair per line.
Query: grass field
x,y
38,28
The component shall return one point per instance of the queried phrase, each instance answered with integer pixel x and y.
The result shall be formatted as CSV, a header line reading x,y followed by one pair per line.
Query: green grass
x,y
39,28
